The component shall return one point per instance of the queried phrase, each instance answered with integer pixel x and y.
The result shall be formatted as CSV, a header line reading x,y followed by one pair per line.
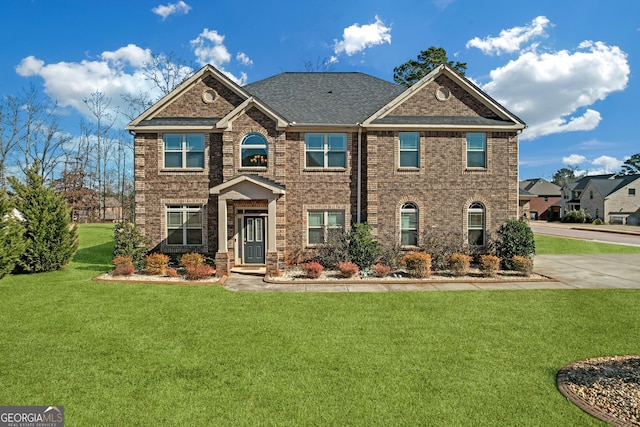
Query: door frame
x,y
240,224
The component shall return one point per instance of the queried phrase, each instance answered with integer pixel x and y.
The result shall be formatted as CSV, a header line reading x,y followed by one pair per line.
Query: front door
x,y
253,248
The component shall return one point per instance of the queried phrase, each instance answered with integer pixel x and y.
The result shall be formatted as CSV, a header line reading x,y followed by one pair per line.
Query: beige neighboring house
x,y
261,173
612,199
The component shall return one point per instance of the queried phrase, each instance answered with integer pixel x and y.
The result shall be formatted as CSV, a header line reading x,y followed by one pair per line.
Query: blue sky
x,y
565,67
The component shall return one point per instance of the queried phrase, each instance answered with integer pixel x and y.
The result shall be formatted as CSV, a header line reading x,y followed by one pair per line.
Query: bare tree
x,y
320,66
166,71
10,128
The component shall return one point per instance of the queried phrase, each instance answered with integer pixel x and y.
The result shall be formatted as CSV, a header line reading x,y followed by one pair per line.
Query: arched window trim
x,y
476,224
409,219
254,155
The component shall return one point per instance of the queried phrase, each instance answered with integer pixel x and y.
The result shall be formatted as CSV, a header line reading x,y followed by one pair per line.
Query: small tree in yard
x,y
11,242
515,238
129,242
51,240
363,249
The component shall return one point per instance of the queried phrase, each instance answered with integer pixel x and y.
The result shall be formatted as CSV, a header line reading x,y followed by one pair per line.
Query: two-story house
x,y
545,205
611,199
258,173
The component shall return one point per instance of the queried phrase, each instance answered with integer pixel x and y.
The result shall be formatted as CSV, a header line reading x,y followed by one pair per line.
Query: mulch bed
x,y
606,387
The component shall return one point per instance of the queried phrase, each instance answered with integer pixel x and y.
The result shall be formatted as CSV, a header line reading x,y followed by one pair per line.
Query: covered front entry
x,y
248,235
253,240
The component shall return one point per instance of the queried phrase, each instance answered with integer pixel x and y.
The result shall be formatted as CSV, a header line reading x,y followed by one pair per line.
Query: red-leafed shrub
x,y
172,272
123,270
313,269
489,265
348,269
156,264
199,272
522,265
381,270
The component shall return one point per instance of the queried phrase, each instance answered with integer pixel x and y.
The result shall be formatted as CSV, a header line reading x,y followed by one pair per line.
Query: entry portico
x,y
251,200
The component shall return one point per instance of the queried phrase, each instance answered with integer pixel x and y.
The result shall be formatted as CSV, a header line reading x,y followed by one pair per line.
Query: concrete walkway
x,y
602,271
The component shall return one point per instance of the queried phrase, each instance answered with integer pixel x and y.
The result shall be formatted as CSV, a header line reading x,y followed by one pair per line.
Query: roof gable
x,y
444,98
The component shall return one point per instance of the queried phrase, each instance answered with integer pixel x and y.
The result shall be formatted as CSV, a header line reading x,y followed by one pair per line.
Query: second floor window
x,y
184,150
254,151
325,150
409,149
476,150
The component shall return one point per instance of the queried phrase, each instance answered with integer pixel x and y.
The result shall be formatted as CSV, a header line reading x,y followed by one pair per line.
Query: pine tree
x,y
11,240
51,241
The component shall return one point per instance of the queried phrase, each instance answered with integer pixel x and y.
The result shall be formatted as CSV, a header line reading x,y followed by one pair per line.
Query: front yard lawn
x,y
552,245
132,354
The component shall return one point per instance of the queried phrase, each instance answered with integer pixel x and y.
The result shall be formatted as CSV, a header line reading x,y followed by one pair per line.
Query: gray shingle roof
x,y
441,120
607,186
540,186
324,98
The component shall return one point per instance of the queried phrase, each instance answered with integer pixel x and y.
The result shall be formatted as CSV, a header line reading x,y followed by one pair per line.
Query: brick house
x,y
546,203
259,173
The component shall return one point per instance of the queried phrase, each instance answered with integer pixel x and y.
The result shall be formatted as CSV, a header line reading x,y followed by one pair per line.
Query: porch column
x,y
271,229
222,225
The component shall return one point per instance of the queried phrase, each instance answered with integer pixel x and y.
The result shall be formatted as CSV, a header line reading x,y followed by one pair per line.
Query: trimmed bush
x,y
597,221
381,270
199,272
50,238
313,269
192,259
459,264
123,266
11,237
156,264
514,238
362,248
129,242
418,264
522,265
489,265
580,216
348,269
172,272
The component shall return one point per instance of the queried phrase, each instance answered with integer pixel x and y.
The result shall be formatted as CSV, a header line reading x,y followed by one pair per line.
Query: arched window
x,y
254,151
476,224
409,224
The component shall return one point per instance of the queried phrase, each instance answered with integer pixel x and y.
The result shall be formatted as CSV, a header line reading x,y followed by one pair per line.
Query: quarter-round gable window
x,y
254,151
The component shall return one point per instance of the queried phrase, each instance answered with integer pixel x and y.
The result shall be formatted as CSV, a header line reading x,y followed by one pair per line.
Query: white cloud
x,y
356,38
243,58
442,4
209,48
510,40
552,91
608,164
574,160
180,8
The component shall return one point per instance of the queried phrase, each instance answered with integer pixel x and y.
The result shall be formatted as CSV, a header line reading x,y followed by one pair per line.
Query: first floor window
x,y
476,150
326,150
476,224
254,151
409,225
409,149
184,150
184,225
322,223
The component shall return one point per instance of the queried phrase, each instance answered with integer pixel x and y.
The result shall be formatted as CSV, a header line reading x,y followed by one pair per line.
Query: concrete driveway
x,y
591,271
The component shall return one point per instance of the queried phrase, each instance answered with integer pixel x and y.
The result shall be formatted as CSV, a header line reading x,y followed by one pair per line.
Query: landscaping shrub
x,y
172,272
11,237
380,270
348,269
597,221
192,259
362,248
489,265
514,238
459,264
156,264
334,251
50,238
130,242
440,244
313,269
418,264
199,272
580,216
123,266
523,265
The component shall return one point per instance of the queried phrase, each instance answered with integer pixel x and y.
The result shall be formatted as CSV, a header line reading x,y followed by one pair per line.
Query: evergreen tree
x,y
11,241
50,239
414,69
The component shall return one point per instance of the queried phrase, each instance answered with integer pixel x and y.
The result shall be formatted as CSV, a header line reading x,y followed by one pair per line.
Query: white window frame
x,y
183,150
244,146
325,150
184,211
409,208
415,150
476,150
476,208
325,226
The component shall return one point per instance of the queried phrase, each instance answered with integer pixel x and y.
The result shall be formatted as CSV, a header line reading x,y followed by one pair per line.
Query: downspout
x,y
359,185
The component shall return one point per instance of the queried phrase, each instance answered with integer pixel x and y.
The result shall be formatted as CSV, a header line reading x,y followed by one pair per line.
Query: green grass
x,y
551,245
131,354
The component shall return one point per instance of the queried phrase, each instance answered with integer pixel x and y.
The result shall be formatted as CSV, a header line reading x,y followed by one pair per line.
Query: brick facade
x,y
441,186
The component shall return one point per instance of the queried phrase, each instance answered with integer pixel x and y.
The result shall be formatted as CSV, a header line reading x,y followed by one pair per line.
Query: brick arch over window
x,y
403,210
254,155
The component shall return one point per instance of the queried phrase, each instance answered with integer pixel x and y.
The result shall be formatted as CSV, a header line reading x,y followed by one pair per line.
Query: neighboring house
x,y
545,204
261,173
572,192
524,199
612,199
